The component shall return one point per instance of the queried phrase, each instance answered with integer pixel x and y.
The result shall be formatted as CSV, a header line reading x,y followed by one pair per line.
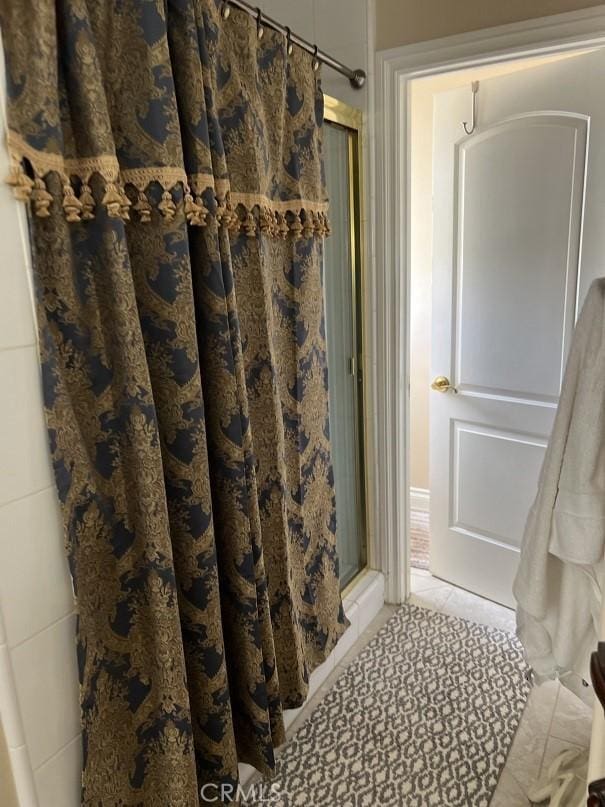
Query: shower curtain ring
x,y
289,45
315,62
260,31
225,10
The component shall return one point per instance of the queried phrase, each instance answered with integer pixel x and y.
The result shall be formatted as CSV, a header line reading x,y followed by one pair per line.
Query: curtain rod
x,y
357,78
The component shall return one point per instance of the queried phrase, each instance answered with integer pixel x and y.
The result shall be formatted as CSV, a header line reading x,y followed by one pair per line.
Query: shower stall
x,y
343,277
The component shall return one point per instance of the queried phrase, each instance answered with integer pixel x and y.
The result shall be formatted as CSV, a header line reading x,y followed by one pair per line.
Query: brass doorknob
x,y
442,384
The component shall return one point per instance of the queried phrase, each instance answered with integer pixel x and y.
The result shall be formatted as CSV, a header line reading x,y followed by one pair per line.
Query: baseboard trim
x,y
420,499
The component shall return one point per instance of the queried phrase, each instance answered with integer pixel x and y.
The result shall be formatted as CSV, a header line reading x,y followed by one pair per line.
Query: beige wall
x,y
400,22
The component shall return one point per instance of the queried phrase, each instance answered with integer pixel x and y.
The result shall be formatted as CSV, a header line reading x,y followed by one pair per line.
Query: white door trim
x,y
391,377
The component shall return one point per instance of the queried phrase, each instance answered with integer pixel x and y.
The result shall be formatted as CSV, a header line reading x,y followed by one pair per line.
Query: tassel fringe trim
x,y
248,214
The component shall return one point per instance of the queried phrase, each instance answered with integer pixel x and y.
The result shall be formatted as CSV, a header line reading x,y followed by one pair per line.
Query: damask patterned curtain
x,y
172,163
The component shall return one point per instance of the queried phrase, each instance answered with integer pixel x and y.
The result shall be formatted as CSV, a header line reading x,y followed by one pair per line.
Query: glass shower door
x,y
343,332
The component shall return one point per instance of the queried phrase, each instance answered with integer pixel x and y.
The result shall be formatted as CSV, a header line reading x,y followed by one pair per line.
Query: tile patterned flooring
x,y
554,718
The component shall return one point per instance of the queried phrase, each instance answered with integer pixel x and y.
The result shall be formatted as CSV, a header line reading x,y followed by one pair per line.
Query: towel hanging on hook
x,y
475,90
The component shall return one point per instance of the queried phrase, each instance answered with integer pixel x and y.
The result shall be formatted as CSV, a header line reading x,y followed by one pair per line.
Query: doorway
x,y
389,349
496,283
504,245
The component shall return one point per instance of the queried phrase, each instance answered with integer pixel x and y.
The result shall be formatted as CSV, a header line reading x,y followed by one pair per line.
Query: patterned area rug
x,y
424,716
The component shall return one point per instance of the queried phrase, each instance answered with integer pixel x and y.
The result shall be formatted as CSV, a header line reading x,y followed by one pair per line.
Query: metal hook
x,y
289,45
260,31
475,89
315,62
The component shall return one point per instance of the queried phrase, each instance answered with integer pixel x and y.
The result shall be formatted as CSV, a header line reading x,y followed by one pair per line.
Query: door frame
x,y
395,68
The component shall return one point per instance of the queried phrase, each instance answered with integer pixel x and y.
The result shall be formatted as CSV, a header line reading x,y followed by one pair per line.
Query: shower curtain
x,y
171,160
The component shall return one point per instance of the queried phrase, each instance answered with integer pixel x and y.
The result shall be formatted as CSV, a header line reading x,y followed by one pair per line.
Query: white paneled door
x,y
510,201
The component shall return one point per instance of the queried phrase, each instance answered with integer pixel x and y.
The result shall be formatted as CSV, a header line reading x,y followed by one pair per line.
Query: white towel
x,y
557,586
565,782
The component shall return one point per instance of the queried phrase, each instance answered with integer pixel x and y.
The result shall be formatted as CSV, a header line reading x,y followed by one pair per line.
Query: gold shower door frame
x,y
350,119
